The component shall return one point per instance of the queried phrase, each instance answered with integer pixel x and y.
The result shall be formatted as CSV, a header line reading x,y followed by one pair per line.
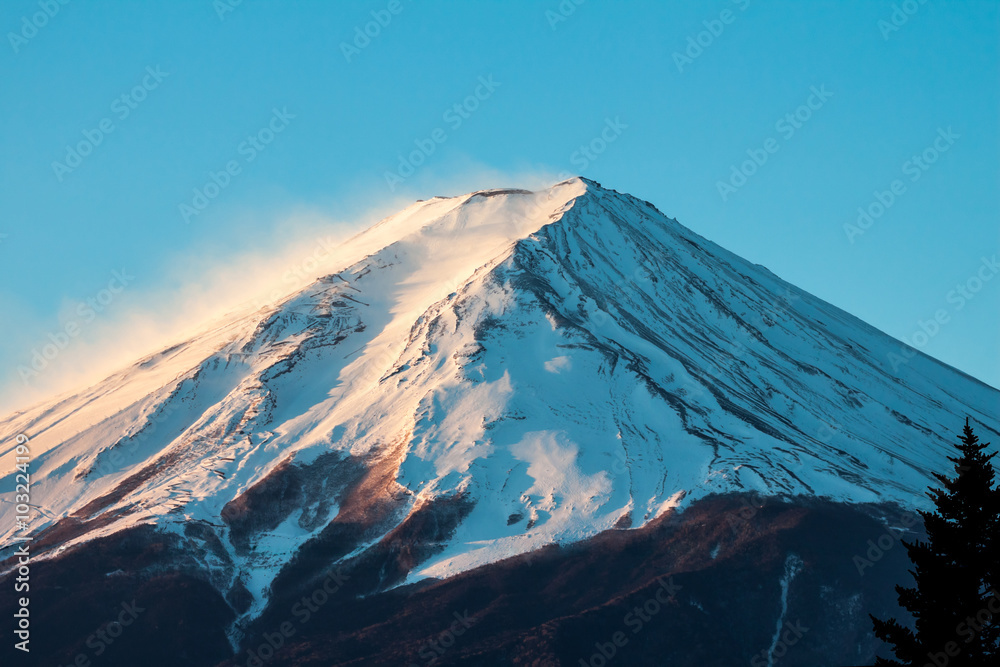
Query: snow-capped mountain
x,y
517,369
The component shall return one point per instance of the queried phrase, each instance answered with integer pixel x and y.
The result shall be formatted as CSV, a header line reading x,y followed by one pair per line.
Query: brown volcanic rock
x,y
723,560
561,605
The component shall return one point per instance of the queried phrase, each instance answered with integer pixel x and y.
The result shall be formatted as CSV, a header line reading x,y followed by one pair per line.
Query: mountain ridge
x,y
590,365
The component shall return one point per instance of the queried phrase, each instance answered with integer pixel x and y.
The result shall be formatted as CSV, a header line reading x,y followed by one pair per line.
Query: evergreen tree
x,y
957,594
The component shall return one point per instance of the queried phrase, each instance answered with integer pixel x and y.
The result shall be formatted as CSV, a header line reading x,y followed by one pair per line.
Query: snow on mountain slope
x,y
564,362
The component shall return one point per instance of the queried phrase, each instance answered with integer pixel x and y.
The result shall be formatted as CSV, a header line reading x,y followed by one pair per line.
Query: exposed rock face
x,y
734,579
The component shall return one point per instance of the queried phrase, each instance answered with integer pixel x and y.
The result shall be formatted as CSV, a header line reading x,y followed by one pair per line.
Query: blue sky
x,y
118,115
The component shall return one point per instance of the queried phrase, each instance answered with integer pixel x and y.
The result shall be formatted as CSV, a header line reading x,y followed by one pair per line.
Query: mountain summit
x,y
482,376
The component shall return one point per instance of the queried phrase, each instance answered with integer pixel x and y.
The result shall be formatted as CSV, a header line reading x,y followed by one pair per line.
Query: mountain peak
x,y
536,366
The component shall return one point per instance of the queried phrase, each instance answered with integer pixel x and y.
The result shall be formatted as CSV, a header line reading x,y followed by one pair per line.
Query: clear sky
x,y
122,119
